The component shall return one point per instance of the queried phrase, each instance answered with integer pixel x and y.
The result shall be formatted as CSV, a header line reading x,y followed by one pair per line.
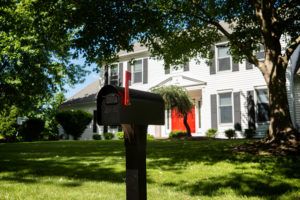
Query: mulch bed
x,y
264,147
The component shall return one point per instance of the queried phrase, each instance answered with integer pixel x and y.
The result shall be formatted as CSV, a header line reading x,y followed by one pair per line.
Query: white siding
x,y
238,81
297,101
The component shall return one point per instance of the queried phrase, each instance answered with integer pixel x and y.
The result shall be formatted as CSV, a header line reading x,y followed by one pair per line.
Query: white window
x,y
224,61
263,109
137,71
225,108
260,55
114,75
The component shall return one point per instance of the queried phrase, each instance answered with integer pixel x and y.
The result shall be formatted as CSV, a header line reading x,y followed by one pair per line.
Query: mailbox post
x,y
145,108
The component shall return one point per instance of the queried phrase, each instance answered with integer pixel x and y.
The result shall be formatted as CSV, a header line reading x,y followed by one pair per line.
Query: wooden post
x,y
135,139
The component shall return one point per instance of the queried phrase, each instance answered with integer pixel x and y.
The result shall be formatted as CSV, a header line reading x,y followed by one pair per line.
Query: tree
x,y
8,123
74,122
178,30
34,53
31,129
177,97
48,113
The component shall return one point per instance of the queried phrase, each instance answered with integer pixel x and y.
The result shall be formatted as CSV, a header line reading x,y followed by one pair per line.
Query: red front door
x,y
177,120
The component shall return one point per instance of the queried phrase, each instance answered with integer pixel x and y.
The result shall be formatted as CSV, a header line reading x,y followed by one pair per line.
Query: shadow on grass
x,y
26,162
104,161
244,185
176,156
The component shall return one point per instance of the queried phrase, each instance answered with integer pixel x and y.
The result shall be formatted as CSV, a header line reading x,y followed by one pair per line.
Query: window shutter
x,y
237,109
129,69
248,65
145,71
235,67
212,69
214,113
120,74
186,67
251,109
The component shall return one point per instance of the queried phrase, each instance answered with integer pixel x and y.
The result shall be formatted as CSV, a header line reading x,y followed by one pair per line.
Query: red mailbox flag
x,y
126,95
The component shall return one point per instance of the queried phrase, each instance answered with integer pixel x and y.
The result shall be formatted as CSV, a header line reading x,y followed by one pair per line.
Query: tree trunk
x,y
281,128
187,126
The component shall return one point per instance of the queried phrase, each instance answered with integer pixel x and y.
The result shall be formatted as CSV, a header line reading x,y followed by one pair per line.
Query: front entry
x,y
177,121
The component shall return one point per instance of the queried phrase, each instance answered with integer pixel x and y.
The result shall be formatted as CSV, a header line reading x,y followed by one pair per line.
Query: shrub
x,y
8,123
74,122
2,138
31,129
230,133
177,134
97,137
108,136
249,133
237,127
150,137
120,135
211,133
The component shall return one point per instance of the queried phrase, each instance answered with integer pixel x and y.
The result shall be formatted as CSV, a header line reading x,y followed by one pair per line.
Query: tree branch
x,y
290,50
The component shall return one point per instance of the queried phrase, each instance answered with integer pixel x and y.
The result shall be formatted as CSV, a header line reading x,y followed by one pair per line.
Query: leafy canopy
x,y
175,97
34,53
177,30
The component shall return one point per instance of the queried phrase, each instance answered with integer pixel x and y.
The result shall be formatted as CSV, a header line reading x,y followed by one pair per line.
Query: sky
x,y
70,91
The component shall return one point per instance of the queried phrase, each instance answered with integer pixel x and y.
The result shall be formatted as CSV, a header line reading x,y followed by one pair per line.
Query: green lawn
x,y
176,170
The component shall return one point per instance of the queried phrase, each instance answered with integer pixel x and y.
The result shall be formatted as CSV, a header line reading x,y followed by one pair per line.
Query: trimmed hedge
x,y
97,137
249,133
230,133
211,133
108,136
177,134
74,122
31,129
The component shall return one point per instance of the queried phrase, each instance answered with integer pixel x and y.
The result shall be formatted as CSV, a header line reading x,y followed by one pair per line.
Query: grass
x,y
180,170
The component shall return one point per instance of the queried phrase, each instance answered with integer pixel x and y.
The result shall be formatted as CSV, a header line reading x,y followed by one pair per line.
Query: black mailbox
x,y
145,108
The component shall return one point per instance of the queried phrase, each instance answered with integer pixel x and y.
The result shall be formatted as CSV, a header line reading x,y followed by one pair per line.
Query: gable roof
x,y
86,95
180,80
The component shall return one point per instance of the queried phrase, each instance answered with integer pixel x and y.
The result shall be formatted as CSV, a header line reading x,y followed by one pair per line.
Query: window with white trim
x,y
260,55
225,108
263,109
137,71
114,75
224,60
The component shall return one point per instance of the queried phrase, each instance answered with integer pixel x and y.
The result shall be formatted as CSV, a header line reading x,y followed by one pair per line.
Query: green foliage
x,y
108,136
179,30
177,134
8,123
34,53
230,133
74,122
175,97
211,133
31,129
249,133
120,135
237,127
2,138
48,114
97,137
150,137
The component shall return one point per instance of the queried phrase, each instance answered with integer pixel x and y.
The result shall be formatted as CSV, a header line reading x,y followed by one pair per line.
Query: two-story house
x,y
226,95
